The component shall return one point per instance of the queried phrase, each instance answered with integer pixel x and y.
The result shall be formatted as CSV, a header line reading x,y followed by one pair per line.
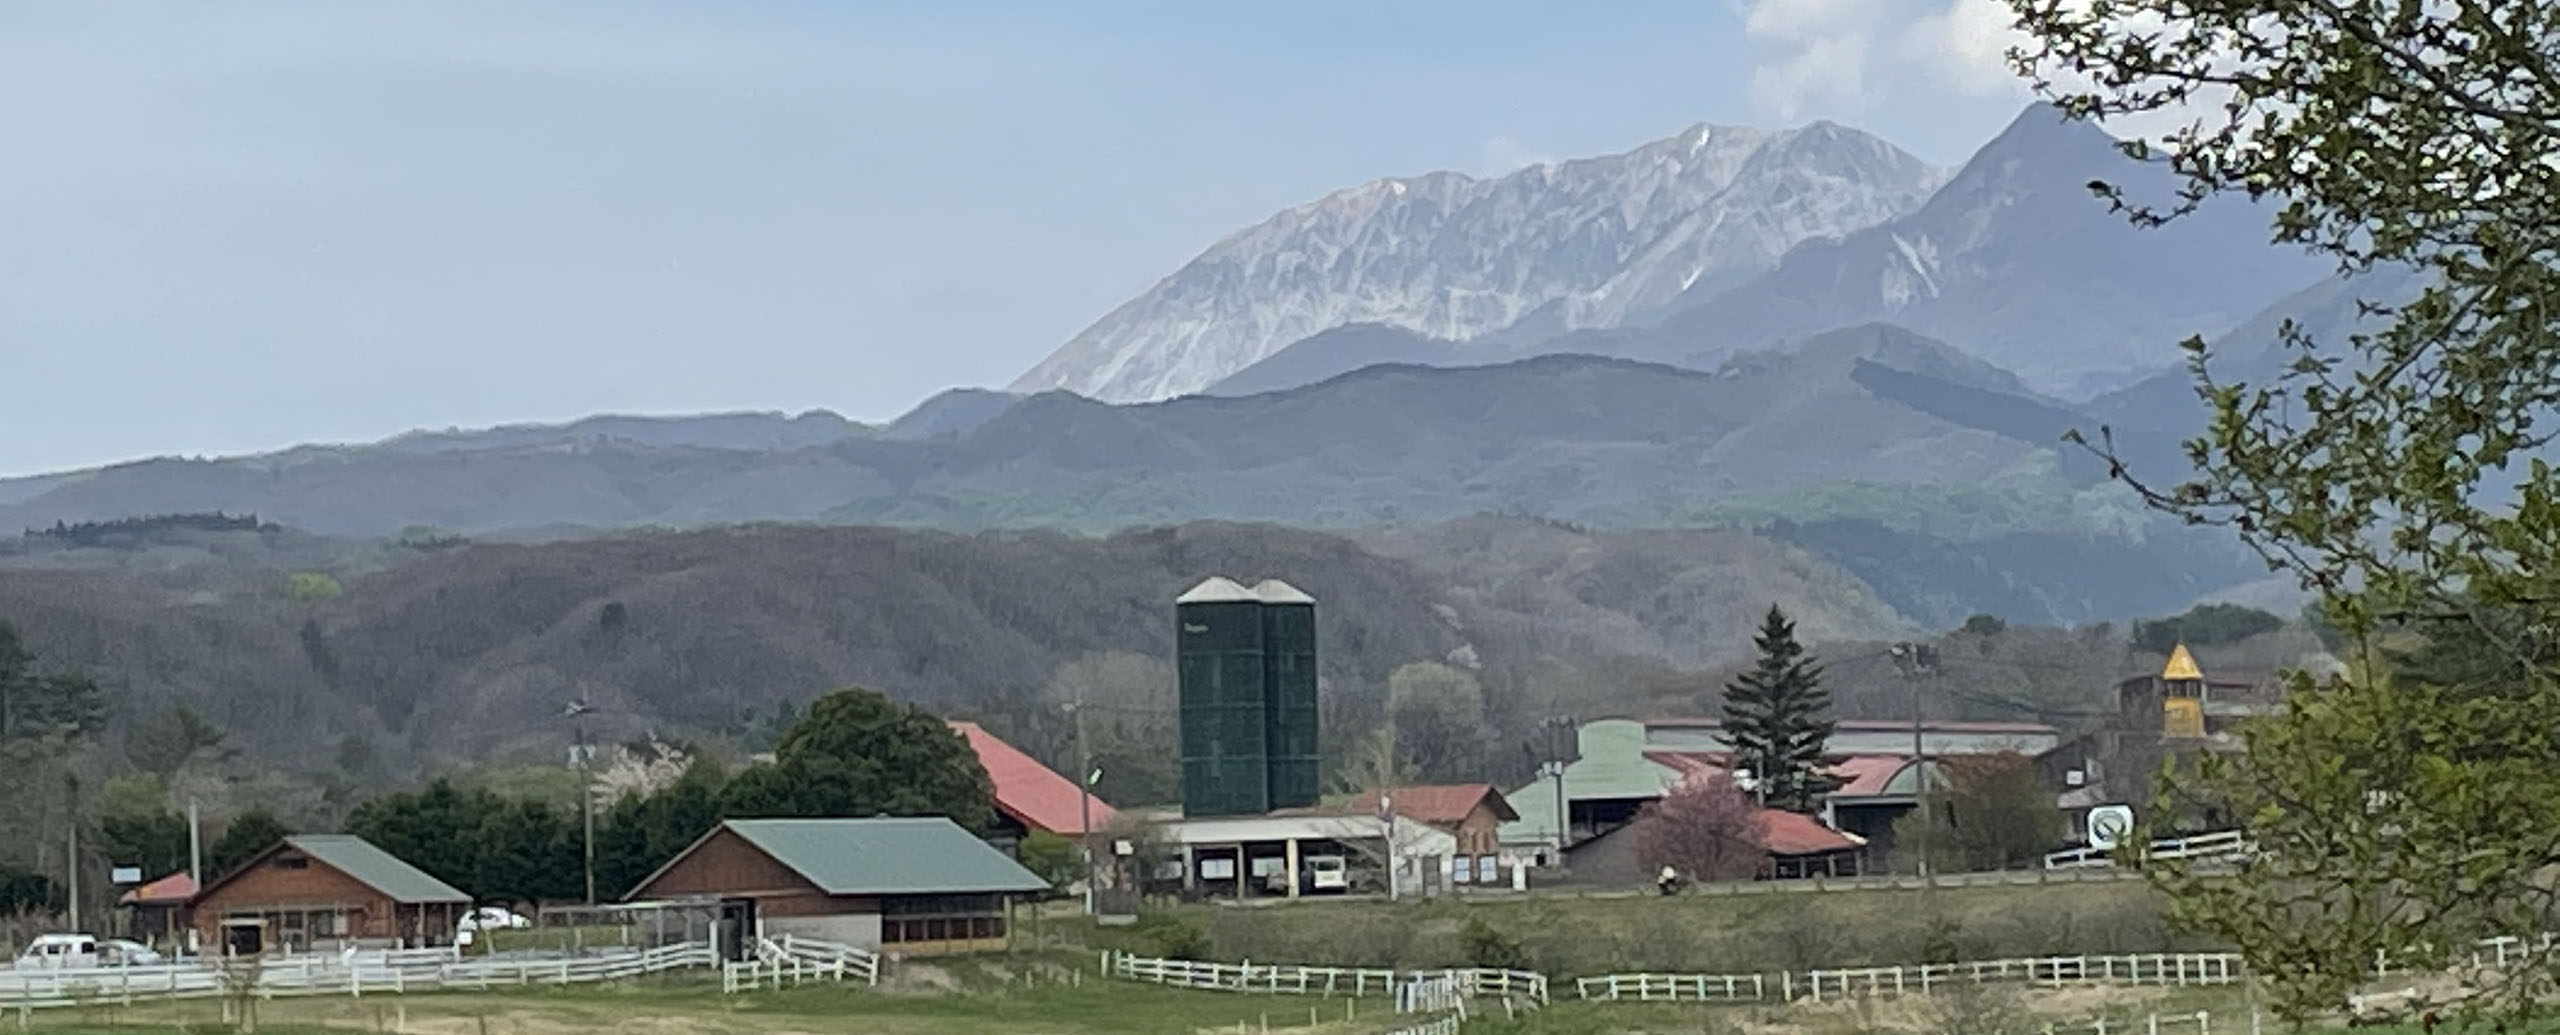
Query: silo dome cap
x,y
1274,591
1217,589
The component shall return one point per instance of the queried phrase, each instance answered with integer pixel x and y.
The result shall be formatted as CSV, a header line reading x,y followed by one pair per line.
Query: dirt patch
x,y
918,979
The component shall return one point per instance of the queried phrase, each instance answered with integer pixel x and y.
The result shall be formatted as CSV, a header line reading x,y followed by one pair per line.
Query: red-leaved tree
x,y
1706,828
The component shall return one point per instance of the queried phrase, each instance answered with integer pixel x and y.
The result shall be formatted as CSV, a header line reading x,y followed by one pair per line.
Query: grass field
x,y
980,996
1567,937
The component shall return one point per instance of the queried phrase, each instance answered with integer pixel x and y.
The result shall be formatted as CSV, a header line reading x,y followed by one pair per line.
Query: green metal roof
x,y
1612,766
375,868
922,856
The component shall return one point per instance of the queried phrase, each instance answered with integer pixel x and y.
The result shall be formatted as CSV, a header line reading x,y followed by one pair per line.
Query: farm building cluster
x,y
1251,822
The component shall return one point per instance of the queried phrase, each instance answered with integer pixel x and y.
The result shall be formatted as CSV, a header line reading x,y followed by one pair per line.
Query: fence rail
x,y
1291,979
355,974
1437,1026
793,960
2221,845
1817,985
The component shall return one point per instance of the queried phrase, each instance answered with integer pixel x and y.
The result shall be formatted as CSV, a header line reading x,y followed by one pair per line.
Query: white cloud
x,y
1505,154
1830,58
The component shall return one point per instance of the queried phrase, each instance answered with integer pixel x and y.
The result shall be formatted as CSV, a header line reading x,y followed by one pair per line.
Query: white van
x,y
60,952
1328,873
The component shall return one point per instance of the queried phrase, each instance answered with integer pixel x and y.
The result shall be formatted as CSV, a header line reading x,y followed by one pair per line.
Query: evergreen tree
x,y
1777,717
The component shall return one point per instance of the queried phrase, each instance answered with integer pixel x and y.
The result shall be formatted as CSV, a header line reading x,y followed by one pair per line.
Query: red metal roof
x,y
1033,794
1792,833
1859,775
1870,725
174,889
1865,775
1441,803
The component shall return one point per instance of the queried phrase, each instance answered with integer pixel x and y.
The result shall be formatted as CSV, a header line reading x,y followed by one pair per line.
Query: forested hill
x,y
472,650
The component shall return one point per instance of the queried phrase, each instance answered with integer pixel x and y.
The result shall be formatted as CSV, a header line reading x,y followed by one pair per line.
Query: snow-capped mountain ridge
x,y
1591,242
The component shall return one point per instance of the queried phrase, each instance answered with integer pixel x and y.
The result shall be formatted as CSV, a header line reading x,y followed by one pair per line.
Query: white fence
x,y
2197,1023
1431,994
1817,985
2228,844
1289,979
355,974
1438,1026
793,960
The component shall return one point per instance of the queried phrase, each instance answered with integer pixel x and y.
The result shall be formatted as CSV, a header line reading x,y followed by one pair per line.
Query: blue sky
x,y
237,226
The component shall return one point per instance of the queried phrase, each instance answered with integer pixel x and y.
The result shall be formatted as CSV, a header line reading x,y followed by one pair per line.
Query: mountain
x,y
761,431
1339,351
1592,242
1582,438
953,412
468,651
2253,353
2013,261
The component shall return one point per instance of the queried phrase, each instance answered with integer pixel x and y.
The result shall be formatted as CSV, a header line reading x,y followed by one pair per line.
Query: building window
x,y
941,918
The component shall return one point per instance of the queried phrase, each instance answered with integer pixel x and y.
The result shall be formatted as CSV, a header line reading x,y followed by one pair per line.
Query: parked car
x,y
60,952
494,918
125,952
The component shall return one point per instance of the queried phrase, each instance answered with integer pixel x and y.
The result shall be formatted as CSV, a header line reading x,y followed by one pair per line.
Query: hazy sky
x,y
230,227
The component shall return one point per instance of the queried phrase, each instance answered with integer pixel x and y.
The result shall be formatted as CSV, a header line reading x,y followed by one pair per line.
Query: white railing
x,y
354,974
1291,979
2151,969
1438,1026
1684,988
793,960
1430,994
2199,1022
2222,845
2181,969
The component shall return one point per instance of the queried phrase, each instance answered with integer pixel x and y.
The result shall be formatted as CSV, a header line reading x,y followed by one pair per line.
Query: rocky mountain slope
x,y
2015,262
1589,243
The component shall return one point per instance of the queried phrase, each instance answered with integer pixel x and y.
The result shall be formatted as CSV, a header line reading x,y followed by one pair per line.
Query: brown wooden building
x,y
156,913
1472,812
917,886
323,891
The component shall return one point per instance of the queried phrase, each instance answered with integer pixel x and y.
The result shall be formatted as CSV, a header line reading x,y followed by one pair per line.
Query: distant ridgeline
x,y
126,531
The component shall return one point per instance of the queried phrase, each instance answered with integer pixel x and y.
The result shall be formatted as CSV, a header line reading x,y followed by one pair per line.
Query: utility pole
x,y
71,860
195,845
1915,659
578,710
1086,774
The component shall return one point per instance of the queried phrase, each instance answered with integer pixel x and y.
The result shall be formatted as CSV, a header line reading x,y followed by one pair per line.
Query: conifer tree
x,y
1777,718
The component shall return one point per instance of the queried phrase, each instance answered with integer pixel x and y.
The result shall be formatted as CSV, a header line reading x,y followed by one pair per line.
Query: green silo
x,y
1289,692
1221,665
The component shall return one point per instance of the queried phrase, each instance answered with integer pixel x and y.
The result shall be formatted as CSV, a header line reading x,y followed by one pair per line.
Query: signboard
x,y
2110,825
125,875
2183,717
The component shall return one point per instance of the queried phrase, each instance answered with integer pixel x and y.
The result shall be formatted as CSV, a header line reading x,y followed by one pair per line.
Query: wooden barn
x,y
320,891
916,886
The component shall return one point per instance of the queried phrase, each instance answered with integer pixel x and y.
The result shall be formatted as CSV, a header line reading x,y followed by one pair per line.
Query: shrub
x,y
1172,935
1486,946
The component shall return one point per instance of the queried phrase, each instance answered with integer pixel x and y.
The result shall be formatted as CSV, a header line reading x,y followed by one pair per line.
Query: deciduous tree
x,y
2399,471
870,756
1707,828
248,834
1993,812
